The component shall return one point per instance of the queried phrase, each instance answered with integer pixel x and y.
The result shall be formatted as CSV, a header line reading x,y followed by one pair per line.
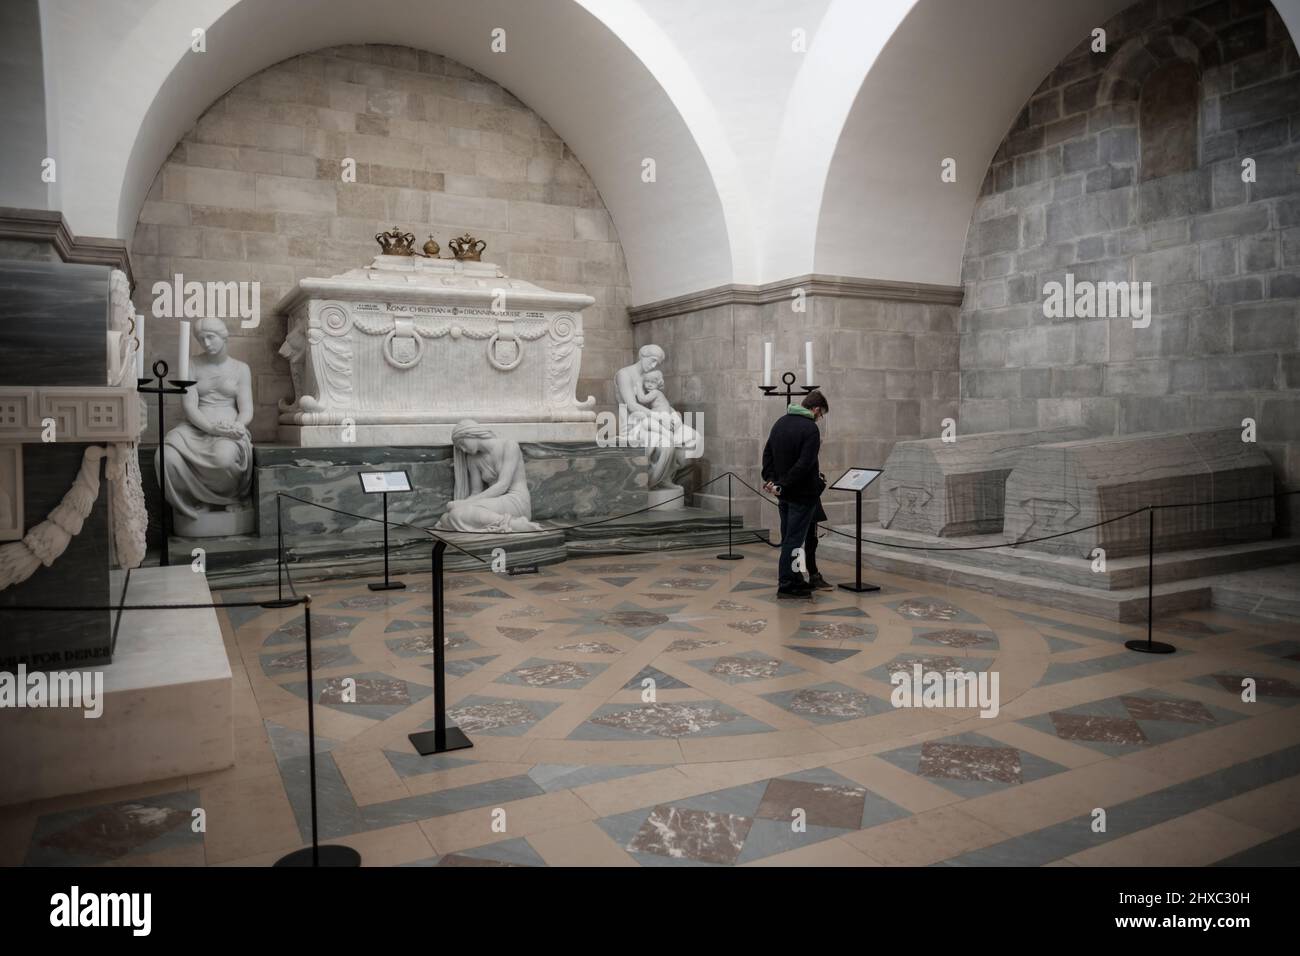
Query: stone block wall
x,y
254,192
1126,165
888,369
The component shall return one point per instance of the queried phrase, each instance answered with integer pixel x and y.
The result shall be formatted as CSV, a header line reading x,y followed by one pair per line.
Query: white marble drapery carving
x,y
42,545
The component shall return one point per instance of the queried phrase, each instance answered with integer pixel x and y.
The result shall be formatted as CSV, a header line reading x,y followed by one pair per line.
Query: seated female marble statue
x,y
491,487
209,458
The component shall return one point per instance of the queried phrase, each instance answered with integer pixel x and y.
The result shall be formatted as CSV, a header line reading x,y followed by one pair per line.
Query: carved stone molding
x,y
843,287
49,226
80,413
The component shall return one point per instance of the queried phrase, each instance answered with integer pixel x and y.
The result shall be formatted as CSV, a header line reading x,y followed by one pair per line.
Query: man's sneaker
x,y
818,583
795,592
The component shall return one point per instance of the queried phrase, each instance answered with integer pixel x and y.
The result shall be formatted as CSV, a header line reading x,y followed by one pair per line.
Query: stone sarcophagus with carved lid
x,y
953,488
397,352
1209,487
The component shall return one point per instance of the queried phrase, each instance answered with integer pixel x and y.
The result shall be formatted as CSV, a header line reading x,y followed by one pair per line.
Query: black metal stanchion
x,y
315,855
857,585
442,738
387,585
178,388
730,555
1149,646
279,551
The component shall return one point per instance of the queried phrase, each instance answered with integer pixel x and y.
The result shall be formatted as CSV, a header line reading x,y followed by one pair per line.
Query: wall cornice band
x,y
49,226
844,287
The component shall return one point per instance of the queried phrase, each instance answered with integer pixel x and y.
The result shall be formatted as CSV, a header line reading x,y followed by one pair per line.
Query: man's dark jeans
x,y
796,516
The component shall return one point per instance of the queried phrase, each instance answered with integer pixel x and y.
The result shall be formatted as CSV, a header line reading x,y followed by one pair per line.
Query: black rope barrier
x,y
1013,544
395,524
571,527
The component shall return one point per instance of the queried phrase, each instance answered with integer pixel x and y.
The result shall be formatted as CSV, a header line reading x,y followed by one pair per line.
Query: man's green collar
x,y
800,410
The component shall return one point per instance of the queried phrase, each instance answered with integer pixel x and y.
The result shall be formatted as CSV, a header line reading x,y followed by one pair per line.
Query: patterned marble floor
x,y
667,710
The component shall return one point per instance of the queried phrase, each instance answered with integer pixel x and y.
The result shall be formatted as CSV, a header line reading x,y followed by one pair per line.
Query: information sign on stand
x,y
385,483
856,481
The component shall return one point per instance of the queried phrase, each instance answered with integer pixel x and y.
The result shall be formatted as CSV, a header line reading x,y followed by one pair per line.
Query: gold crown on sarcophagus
x,y
396,242
467,247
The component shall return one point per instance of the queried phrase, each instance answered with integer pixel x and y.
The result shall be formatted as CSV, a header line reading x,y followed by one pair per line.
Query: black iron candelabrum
x,y
788,379
178,388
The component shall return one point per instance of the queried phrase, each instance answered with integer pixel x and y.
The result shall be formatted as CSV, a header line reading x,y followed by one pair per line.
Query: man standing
x,y
791,472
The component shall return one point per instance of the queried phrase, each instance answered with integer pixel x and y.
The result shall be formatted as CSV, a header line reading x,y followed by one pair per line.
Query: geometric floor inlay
x,y
653,709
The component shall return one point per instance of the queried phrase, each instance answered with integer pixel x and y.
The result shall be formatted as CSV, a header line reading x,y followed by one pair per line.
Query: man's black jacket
x,y
790,457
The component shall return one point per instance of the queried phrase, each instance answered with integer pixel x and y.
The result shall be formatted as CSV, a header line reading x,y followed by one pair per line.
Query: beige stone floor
x,y
510,772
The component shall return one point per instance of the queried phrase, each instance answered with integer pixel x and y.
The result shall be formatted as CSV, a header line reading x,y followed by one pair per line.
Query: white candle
x,y
183,356
767,363
807,351
139,344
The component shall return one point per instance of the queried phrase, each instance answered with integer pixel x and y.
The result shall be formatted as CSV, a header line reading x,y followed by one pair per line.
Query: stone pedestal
x,y
667,499
168,705
216,524
1060,487
566,481
956,488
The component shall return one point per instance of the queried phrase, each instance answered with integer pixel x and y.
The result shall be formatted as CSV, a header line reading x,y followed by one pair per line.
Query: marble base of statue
x,y
215,524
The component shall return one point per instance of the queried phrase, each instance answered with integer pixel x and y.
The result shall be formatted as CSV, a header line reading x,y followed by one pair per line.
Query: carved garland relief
x,y
328,337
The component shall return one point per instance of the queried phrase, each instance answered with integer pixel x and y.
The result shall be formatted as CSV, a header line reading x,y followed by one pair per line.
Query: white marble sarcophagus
x,y
397,352
1070,485
951,488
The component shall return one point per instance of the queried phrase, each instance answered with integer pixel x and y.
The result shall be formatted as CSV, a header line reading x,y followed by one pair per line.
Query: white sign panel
x,y
374,482
855,479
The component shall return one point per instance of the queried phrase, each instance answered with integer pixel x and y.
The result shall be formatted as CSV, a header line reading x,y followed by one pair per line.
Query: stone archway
x,y
258,190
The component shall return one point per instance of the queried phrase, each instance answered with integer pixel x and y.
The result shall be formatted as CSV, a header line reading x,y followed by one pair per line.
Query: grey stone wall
x,y
254,192
888,369
1095,179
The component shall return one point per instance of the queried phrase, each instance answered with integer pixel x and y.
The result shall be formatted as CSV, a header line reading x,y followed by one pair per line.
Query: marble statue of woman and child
x,y
652,423
209,458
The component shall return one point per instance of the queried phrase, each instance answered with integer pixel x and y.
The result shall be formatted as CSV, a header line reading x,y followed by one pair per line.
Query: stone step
x,y
1126,605
1120,574
1268,592
250,560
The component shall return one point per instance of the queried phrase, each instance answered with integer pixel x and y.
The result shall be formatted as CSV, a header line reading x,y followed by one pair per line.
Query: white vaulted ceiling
x,y
771,163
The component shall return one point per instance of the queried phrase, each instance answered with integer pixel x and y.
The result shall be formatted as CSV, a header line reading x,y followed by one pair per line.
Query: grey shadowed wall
x,y
1128,166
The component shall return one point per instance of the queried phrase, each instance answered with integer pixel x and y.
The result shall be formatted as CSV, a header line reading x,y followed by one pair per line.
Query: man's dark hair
x,y
815,399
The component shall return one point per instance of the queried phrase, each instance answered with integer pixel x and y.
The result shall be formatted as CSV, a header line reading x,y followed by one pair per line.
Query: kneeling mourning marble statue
x,y
209,458
491,485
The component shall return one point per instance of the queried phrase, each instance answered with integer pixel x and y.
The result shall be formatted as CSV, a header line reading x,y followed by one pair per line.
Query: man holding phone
x,y
791,472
